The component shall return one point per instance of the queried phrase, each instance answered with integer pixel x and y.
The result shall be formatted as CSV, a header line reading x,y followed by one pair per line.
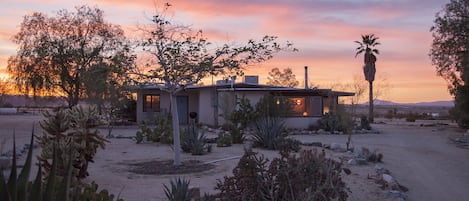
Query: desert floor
x,y
420,158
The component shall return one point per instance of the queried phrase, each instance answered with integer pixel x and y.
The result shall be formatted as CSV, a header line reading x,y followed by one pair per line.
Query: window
x,y
298,106
151,103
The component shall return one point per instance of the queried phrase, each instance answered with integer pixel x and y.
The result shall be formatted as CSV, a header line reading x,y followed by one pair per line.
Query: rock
x,y
388,178
320,131
397,195
335,146
361,161
352,162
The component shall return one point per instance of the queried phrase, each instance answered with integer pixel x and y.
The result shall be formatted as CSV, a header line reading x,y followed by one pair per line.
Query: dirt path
x,y
420,158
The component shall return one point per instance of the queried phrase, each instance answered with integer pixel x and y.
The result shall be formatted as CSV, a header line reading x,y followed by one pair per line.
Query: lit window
x,y
298,107
151,102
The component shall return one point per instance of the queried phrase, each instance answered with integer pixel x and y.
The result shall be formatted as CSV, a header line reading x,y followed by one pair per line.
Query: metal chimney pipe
x,y
306,77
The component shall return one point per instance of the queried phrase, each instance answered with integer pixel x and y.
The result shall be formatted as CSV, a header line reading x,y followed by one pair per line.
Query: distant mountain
x,y
432,103
436,103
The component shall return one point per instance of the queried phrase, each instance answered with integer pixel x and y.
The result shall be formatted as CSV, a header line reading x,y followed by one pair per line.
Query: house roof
x,y
294,91
242,86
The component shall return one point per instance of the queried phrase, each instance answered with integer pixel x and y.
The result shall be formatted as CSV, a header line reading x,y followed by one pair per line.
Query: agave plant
x,y
179,190
268,131
193,141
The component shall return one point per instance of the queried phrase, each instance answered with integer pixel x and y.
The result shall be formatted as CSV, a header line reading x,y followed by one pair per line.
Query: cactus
x,y
54,188
72,127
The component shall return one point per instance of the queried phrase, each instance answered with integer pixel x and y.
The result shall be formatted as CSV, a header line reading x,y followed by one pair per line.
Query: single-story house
x,y
209,101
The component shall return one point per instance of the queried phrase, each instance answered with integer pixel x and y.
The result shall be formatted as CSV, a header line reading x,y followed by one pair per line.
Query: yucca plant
x,y
178,190
268,131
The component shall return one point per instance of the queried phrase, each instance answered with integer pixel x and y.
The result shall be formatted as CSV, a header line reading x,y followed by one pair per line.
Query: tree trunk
x,y
370,115
176,138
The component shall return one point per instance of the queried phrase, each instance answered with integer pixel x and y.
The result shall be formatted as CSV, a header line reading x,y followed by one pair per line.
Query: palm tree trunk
x,y
370,115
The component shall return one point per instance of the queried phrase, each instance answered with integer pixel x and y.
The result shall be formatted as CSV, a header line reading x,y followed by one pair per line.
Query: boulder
x,y
388,178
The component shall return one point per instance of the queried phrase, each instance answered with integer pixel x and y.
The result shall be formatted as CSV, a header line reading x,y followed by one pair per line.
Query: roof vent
x,y
251,79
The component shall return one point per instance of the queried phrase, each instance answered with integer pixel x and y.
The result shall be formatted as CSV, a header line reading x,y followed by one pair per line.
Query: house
x,y
209,102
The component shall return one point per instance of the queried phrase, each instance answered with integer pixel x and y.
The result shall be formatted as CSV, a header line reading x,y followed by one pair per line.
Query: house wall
x,y
301,122
206,106
164,103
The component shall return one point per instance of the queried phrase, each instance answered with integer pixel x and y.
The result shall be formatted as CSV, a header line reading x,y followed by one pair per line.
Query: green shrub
x,y
224,140
268,131
237,136
309,176
192,141
178,190
162,132
340,120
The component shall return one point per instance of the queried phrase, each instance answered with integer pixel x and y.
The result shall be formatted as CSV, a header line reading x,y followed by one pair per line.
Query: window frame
x,y
151,104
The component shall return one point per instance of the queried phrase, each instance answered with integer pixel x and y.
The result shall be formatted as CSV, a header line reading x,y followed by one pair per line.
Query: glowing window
x,y
151,102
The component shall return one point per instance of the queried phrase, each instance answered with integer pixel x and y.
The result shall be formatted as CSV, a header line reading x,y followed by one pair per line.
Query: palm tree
x,y
367,45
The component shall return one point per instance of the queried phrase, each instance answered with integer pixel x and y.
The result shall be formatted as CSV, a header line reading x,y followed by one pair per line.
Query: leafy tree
x,y
450,54
285,78
183,57
58,53
367,45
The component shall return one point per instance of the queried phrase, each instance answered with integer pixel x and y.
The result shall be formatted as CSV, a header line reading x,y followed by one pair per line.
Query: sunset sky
x,y
322,30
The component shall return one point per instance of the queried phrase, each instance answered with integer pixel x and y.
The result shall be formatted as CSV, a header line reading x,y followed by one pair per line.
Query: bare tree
x,y
285,78
182,56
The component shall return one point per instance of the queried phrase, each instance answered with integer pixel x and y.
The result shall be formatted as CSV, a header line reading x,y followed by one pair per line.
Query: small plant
x,y
193,141
237,136
164,129
268,131
161,133
365,123
224,140
178,190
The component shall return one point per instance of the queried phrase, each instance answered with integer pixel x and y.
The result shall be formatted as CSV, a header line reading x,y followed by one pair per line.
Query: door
x,y
183,109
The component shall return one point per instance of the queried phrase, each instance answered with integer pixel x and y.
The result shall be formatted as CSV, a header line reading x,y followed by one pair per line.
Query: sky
x,y
323,31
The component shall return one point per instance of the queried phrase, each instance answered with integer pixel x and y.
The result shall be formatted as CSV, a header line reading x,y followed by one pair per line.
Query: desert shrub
x,y
178,190
224,140
340,120
309,176
365,123
328,122
288,144
268,132
244,113
237,136
74,127
164,129
192,141
53,188
162,132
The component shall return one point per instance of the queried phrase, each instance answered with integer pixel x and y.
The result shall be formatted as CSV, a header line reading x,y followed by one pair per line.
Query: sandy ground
x,y
420,158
